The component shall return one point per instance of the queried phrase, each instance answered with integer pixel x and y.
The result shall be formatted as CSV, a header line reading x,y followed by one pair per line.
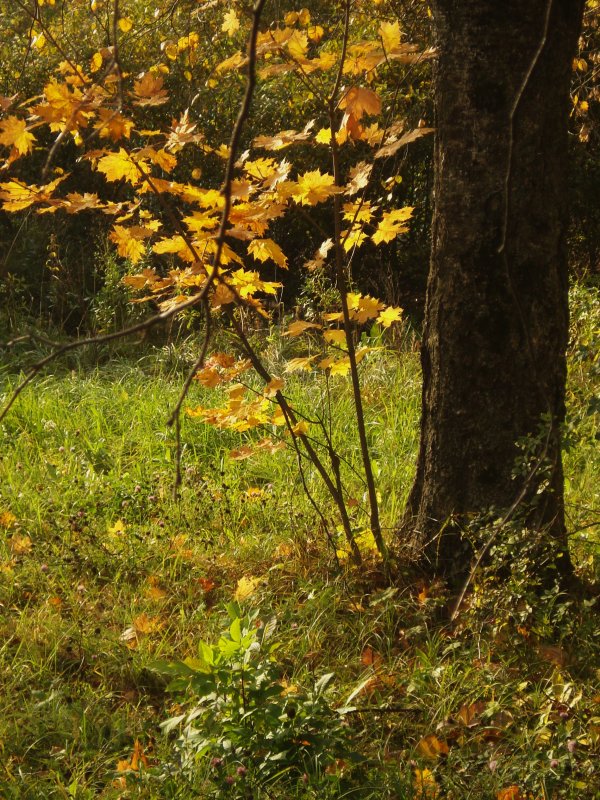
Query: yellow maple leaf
x,y
7,519
246,587
272,387
300,428
20,544
149,91
298,327
390,36
313,187
426,787
432,747
392,224
300,364
14,133
393,146
390,315
17,195
145,624
130,241
359,177
335,337
353,237
241,453
121,165
359,101
315,33
336,366
269,445
364,308
231,23
265,249
358,212
297,46
125,24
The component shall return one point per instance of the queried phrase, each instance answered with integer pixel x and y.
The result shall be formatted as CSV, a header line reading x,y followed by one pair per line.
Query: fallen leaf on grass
x,y
425,786
246,586
20,544
7,519
370,657
432,747
470,715
509,793
138,758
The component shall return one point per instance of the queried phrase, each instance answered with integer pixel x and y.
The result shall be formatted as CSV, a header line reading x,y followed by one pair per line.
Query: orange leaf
x,y
432,747
509,793
370,658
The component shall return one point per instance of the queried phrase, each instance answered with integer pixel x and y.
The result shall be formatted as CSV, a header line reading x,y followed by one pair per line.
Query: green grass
x,y
103,571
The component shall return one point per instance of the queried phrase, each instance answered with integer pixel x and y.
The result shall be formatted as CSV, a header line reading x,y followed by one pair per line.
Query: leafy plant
x,y
244,723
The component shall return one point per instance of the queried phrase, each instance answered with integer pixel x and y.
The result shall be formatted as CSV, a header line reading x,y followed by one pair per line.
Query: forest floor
x,y
311,678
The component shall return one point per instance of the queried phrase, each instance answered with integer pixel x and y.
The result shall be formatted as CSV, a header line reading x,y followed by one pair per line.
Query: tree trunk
x,y
496,325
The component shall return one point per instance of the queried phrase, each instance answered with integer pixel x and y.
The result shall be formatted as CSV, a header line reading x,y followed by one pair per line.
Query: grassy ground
x,y
104,573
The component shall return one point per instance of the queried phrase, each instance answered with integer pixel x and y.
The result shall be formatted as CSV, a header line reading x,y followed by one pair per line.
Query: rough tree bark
x,y
496,326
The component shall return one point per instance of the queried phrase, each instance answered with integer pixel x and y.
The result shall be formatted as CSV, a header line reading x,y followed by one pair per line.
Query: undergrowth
x,y
109,581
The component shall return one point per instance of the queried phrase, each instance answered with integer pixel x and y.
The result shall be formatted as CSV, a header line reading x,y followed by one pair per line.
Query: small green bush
x,y
243,725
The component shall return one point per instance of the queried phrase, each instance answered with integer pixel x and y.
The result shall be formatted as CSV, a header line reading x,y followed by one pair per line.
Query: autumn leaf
x,y
130,241
426,787
149,91
125,24
299,364
390,315
121,165
231,23
510,793
364,308
20,544
17,195
353,237
7,519
267,249
335,336
273,386
241,453
359,177
14,133
470,715
392,224
392,147
390,35
118,527
269,446
298,327
358,101
313,187
370,657
246,587
432,747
